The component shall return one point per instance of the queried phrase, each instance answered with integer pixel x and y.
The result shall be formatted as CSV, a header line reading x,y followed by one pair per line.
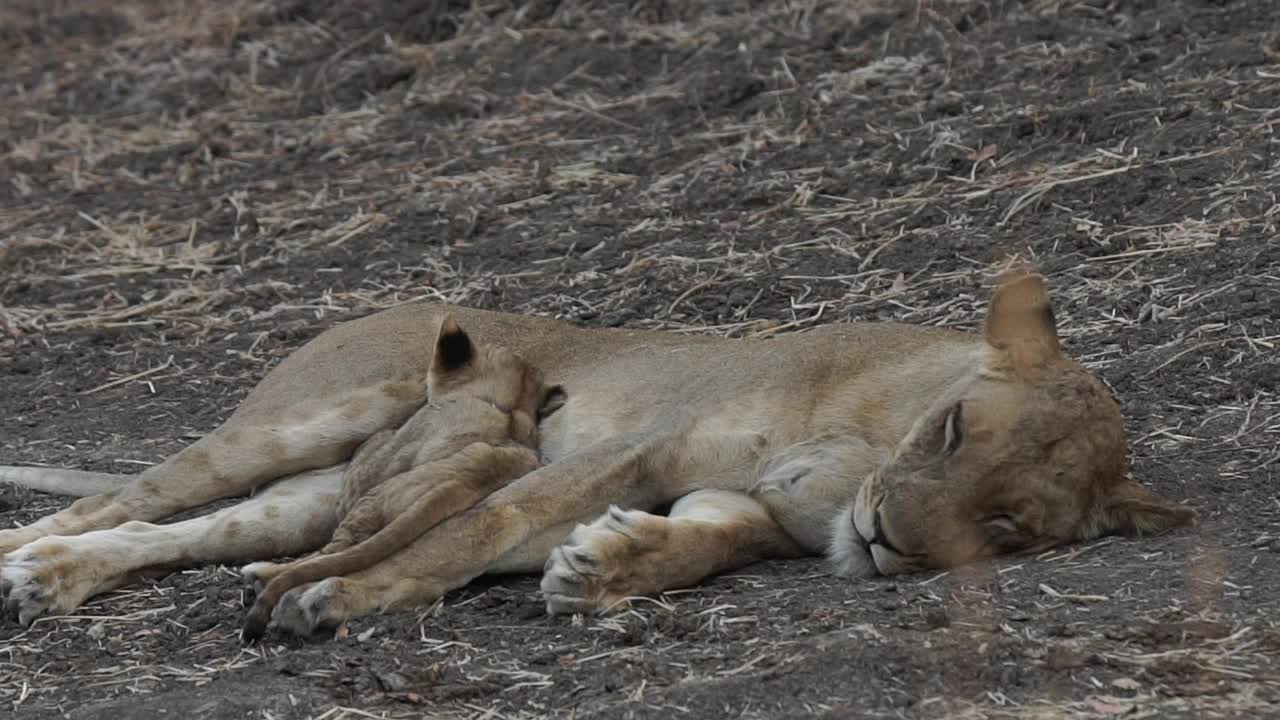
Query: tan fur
x,y
912,447
476,434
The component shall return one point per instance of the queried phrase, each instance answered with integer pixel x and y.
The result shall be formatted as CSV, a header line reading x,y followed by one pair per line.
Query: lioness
x,y
477,432
892,447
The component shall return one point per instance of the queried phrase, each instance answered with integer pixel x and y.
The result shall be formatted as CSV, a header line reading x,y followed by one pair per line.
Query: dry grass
x,y
199,194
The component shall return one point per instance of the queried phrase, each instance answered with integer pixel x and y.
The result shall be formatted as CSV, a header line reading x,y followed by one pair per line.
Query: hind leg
x,y
56,574
248,450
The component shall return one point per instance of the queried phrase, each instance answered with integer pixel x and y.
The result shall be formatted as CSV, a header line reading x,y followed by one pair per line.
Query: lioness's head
x,y
1027,454
493,374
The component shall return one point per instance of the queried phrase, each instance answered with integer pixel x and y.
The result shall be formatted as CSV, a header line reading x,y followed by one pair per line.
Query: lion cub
x,y
478,432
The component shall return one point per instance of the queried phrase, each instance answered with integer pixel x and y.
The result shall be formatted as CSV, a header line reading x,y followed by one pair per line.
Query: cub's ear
x,y
454,349
552,400
1021,323
1131,509
934,437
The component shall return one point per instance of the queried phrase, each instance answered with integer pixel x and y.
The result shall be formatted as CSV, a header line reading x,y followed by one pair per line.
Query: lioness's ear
x,y
1131,509
1021,323
454,349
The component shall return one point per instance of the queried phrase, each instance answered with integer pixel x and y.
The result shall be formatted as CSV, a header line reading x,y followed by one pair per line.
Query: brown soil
x,y
188,195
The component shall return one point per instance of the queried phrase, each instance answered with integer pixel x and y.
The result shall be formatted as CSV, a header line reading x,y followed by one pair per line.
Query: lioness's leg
x,y
56,574
249,449
488,535
631,553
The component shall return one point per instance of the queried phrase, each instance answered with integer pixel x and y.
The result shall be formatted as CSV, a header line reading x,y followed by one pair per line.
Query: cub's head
x,y
493,374
1026,454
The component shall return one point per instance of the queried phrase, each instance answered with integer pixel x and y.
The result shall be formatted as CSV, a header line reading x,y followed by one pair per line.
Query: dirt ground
x,y
190,191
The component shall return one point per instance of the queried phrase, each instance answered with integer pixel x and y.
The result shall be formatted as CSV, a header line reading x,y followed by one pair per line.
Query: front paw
x,y
38,580
601,565
12,540
848,553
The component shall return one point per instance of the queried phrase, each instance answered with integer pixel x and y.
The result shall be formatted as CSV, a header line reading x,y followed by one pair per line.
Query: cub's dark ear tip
x,y
453,346
552,400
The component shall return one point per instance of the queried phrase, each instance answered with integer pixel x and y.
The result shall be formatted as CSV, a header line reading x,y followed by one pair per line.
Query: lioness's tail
x,y
61,481
456,492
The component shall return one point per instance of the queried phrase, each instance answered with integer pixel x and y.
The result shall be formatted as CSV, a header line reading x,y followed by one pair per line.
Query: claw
x,y
27,617
28,606
253,629
18,591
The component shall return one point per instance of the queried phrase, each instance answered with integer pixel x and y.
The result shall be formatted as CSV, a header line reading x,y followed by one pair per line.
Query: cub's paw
x,y
258,574
42,579
305,611
601,565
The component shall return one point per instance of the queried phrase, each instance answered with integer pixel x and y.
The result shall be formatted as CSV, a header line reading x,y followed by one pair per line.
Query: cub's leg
x,y
624,554
327,604
368,503
255,445
496,533
55,574
335,600
411,504
331,602
366,470
357,507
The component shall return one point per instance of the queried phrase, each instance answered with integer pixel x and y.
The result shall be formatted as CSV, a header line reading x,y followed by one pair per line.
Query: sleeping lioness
x,y
477,432
893,448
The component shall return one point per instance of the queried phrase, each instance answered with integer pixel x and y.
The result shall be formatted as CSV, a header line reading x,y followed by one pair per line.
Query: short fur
x,y
913,447
477,433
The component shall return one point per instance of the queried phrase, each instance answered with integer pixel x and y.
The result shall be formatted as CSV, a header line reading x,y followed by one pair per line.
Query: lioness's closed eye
x,y
1026,453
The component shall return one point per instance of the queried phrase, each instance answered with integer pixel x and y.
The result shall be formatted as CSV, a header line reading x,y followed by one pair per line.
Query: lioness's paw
x,y
847,551
38,579
12,540
303,611
602,564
